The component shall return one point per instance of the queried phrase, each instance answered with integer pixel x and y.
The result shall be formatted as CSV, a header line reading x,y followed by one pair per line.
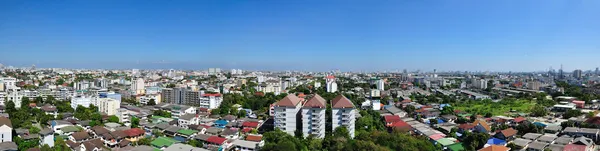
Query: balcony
x,y
345,113
280,115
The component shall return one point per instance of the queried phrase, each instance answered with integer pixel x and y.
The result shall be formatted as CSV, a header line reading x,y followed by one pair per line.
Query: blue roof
x,y
444,105
539,124
458,134
221,122
495,141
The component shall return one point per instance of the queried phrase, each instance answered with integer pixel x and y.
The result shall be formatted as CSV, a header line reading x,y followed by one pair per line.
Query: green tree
x,y
135,122
144,141
152,102
10,107
113,119
45,147
81,113
195,143
538,110
241,114
433,121
341,131
572,113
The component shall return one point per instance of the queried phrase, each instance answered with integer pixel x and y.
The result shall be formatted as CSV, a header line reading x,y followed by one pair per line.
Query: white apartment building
x,y
137,86
270,86
5,129
211,101
15,96
82,100
10,83
331,84
534,85
313,117
82,85
2,98
124,116
108,106
380,85
343,113
287,116
145,99
479,83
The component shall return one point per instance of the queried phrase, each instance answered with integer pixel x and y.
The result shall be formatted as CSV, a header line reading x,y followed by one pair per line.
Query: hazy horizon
x,y
302,35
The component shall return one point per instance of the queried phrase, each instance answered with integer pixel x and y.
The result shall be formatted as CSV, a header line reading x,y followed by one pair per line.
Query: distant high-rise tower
x,y
33,67
560,72
577,74
597,72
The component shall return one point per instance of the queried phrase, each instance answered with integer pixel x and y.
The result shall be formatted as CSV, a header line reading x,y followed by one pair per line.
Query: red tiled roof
x,y
134,132
216,140
203,109
519,119
209,94
401,125
290,100
574,147
406,101
483,124
466,126
391,118
250,124
246,130
594,120
315,102
495,148
330,77
254,138
341,102
509,132
301,95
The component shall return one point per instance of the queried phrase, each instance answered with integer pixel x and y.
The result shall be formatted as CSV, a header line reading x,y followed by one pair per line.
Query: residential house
x,y
531,136
79,137
92,145
495,148
183,147
481,126
184,134
391,119
537,146
230,133
8,146
47,137
521,143
581,144
50,110
98,131
216,142
5,130
507,134
134,134
187,119
563,140
547,138
243,145
214,131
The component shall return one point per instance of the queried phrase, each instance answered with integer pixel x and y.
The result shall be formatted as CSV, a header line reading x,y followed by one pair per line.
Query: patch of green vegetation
x,y
502,107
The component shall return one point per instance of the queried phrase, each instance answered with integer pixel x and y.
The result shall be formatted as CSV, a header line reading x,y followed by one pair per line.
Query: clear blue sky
x,y
350,35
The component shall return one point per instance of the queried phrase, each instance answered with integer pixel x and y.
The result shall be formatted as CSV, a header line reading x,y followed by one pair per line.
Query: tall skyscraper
x,y
597,72
560,72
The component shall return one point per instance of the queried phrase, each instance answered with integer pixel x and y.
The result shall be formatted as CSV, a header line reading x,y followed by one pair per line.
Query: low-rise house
x,y
184,134
581,144
163,142
68,130
563,140
481,126
242,145
50,110
556,147
187,119
183,147
495,148
9,146
230,133
449,118
521,143
507,134
98,131
134,134
531,136
553,129
92,145
391,119
112,139
79,137
571,131
254,138
251,124
214,131
47,137
5,130
589,133
547,138
537,146
172,130
220,123
58,125
215,142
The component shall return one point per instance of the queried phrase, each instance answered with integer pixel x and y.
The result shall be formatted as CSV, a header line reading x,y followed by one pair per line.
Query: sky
x,y
308,35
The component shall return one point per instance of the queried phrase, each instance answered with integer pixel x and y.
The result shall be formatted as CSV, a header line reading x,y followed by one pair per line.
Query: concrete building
x,y
343,114
479,83
137,86
313,117
534,85
124,116
287,112
9,83
108,106
331,84
211,101
380,84
270,86
81,100
577,74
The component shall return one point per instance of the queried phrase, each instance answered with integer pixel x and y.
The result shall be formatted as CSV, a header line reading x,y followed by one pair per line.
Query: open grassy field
x,y
496,108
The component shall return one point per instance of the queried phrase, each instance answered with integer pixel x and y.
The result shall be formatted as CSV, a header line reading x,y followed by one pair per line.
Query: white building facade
x,y
331,84
287,114
343,114
313,117
211,101
108,106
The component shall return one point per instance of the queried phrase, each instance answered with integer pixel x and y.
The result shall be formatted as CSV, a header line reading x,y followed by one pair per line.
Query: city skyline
x,y
307,36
